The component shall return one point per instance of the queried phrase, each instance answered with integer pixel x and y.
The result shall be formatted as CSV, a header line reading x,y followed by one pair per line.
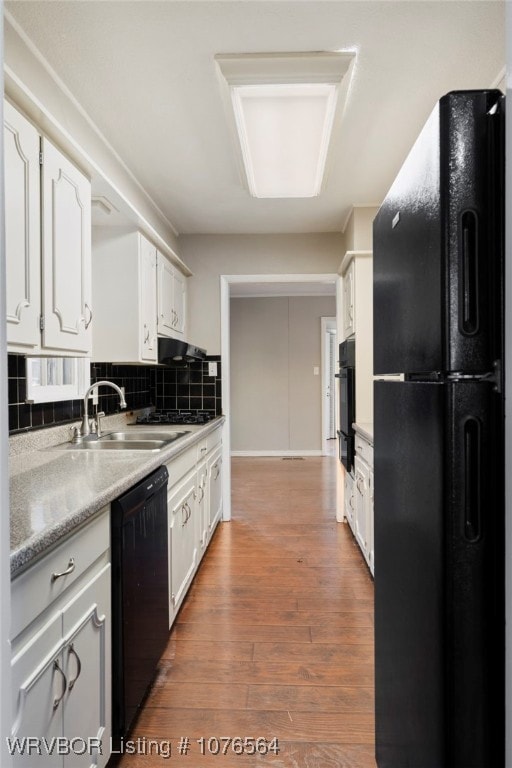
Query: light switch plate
x,y
316,370
212,369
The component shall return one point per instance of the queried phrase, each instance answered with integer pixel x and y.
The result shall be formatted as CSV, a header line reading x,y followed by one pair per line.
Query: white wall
x,y
276,401
210,256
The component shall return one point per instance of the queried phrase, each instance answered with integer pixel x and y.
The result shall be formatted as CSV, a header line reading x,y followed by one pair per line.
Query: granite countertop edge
x,y
34,547
365,429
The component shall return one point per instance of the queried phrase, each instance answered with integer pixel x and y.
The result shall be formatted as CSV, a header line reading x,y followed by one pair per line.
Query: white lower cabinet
x,y
348,504
183,539
214,489
61,663
194,507
363,499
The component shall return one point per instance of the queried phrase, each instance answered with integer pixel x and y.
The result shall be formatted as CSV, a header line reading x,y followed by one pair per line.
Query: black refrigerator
x,y
439,445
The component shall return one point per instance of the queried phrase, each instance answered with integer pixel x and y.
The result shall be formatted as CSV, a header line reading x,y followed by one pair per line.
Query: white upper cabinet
x,y
348,301
48,244
66,218
134,289
148,306
171,299
22,230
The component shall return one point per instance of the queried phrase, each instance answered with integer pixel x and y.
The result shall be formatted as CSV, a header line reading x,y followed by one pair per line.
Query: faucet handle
x,y
76,435
97,423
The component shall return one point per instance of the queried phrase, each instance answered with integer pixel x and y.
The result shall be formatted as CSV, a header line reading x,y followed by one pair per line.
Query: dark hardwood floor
x,y
275,638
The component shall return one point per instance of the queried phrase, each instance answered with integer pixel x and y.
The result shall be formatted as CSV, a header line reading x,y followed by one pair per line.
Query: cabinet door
x,y
348,301
349,500
214,490
148,304
66,220
39,687
203,499
22,231
371,549
165,297
183,550
87,666
179,302
361,504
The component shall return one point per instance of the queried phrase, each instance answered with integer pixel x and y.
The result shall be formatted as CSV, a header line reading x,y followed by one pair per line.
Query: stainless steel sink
x,y
115,445
125,441
137,436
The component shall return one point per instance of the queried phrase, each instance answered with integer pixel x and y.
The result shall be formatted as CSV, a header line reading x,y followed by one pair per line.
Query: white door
x,y
165,296
22,230
214,490
148,303
39,686
66,218
181,506
86,660
179,302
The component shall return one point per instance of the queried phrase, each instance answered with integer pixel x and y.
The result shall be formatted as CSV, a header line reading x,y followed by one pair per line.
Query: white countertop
x,y
54,491
365,429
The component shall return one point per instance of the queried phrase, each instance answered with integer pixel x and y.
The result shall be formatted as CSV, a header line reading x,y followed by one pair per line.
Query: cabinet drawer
x,y
36,588
214,439
182,464
364,449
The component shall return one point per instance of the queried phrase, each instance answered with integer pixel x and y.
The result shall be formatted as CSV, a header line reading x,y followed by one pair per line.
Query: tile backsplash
x,y
185,387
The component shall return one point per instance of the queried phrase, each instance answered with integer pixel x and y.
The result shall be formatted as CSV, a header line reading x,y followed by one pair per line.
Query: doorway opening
x,y
258,285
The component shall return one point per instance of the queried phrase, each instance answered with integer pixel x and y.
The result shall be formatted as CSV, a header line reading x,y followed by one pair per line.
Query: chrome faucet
x,y
86,429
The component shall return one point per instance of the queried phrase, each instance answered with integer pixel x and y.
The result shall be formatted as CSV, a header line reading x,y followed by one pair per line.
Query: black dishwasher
x,y
140,603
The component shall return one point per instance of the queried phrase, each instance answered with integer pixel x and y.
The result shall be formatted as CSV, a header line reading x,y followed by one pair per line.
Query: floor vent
x,y
293,458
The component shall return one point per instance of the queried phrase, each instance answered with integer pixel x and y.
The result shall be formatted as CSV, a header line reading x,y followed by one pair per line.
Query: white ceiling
x,y
145,73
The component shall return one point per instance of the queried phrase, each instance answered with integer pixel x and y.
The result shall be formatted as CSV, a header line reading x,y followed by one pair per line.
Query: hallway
x,y
275,639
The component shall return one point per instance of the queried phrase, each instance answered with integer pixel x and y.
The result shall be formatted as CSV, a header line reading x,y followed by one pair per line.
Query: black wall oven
x,y
347,389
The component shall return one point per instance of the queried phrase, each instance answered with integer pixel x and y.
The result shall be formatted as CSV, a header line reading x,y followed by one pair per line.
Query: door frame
x,y
226,281
327,327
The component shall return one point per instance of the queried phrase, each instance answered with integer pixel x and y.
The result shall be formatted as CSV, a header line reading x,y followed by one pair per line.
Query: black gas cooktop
x,y
176,417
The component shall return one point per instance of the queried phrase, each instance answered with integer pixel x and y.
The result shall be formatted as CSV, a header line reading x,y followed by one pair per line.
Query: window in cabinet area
x,y
52,379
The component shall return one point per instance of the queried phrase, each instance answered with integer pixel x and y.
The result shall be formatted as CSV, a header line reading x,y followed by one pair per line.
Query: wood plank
x,y
318,653
291,672
318,727
272,616
315,698
247,632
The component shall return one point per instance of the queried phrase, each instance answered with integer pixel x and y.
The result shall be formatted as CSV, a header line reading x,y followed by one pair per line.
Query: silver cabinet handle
x,y
216,466
88,322
69,569
71,650
183,519
351,502
203,450
202,493
189,512
146,337
58,699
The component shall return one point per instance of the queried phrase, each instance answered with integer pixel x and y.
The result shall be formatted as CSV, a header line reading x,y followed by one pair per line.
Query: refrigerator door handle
x,y
472,479
470,321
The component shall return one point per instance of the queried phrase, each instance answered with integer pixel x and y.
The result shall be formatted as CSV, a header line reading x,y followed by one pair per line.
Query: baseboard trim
x,y
284,454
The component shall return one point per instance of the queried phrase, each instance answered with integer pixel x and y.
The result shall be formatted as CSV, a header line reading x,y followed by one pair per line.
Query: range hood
x,y
173,351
